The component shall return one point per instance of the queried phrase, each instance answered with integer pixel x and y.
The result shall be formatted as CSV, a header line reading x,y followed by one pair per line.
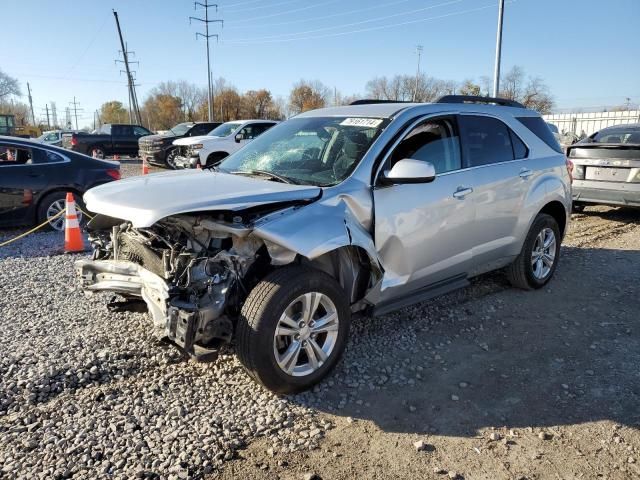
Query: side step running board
x,y
422,295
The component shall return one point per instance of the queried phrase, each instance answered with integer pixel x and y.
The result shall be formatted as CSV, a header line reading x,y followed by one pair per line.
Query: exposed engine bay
x,y
194,271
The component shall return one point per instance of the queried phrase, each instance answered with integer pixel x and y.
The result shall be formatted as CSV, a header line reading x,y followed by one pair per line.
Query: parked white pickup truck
x,y
210,149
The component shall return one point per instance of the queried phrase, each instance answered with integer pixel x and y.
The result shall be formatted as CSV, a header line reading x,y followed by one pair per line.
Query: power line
x,y
370,29
286,2
245,20
333,27
206,5
315,19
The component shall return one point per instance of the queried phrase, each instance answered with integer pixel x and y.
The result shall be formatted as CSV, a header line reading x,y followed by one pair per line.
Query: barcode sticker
x,y
361,122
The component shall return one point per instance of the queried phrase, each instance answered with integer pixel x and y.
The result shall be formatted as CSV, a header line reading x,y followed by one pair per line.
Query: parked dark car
x,y
159,149
111,139
607,167
35,178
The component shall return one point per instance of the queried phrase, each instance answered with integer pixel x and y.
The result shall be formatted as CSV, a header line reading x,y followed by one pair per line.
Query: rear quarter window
x,y
541,130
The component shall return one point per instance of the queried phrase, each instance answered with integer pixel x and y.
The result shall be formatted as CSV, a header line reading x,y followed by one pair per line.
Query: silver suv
x,y
338,212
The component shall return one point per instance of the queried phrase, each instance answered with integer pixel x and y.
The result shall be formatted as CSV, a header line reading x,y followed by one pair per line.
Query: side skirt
x,y
422,294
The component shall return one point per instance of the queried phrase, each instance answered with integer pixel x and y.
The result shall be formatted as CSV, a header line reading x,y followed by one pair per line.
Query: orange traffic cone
x,y
116,157
145,167
73,241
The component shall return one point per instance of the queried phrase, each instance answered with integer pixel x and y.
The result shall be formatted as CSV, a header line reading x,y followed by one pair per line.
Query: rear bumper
x,y
606,193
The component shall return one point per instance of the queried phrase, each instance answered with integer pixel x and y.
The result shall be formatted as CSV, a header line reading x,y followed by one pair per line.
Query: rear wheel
x,y
97,151
538,260
293,329
50,206
577,207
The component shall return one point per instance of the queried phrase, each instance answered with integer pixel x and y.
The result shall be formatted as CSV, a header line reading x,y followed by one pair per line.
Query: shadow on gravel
x,y
566,354
621,214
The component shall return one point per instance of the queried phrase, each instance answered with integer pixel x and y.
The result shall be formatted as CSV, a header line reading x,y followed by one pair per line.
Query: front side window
x,y
435,141
315,151
486,140
225,129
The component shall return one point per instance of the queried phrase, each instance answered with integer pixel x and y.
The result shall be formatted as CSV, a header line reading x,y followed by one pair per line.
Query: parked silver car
x,y
607,167
355,210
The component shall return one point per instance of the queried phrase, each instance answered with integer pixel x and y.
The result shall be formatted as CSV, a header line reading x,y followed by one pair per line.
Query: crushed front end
x,y
190,271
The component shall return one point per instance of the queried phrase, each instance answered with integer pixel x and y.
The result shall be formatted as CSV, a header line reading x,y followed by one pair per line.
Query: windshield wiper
x,y
266,173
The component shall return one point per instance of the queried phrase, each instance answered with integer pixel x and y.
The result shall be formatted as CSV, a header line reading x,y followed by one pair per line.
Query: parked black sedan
x,y
34,180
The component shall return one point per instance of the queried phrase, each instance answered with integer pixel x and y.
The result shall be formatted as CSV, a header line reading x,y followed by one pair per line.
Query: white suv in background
x,y
222,141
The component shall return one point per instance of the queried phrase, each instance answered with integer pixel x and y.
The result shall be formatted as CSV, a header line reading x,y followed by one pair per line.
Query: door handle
x,y
525,173
462,192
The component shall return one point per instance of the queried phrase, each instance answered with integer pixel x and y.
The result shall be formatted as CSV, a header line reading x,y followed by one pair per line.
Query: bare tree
x,y
8,86
468,87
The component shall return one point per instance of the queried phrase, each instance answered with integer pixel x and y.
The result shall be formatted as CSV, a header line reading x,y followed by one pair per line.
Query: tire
x,y
169,159
524,272
96,151
214,158
258,347
51,204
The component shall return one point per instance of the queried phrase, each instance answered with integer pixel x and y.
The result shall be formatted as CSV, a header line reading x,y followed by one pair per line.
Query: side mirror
x,y
409,170
239,136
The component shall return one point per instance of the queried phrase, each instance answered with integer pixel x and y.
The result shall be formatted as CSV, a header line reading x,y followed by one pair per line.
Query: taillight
x,y
570,169
74,141
115,174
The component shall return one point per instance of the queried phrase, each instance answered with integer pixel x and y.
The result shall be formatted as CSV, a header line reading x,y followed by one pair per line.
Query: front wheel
x,y
293,329
170,159
538,260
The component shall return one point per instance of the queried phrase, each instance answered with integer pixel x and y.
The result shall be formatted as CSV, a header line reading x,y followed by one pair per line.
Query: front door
x,y
422,230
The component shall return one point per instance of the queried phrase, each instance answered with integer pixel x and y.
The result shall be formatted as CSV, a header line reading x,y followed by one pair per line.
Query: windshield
x,y
316,151
181,128
618,135
224,130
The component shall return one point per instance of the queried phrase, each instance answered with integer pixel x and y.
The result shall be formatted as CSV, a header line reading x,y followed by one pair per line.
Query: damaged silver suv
x,y
338,212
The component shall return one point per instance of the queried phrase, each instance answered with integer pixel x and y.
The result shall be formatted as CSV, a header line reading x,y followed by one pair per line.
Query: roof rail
x,y
478,99
374,101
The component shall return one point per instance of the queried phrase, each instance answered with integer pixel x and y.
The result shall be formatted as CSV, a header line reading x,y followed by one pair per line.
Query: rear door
x,y
502,176
23,176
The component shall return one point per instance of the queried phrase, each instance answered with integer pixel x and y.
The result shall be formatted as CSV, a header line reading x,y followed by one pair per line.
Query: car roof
x,y
390,110
622,126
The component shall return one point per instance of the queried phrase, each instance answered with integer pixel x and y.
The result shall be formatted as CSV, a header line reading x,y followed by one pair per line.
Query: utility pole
x,y
206,5
75,110
419,52
496,69
135,110
33,115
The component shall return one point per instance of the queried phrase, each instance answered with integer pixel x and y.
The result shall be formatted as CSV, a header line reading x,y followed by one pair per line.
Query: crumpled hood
x,y
145,199
198,139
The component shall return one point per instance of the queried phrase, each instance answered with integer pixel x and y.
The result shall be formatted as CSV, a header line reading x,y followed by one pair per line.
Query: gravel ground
x,y
487,382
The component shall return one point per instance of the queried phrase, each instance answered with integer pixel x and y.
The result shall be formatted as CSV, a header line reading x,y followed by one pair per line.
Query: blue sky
x,y
587,51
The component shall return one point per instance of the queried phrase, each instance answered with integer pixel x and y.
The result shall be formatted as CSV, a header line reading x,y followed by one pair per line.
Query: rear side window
x,y
486,140
541,130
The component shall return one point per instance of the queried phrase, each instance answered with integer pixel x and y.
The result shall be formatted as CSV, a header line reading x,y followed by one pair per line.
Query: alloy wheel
x,y
58,222
306,334
543,254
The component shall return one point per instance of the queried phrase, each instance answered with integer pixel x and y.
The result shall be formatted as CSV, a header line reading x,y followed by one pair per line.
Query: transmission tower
x,y
75,110
206,5
54,114
134,112
419,49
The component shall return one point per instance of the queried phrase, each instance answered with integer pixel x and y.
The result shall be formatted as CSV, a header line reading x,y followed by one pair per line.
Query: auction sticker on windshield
x,y
361,122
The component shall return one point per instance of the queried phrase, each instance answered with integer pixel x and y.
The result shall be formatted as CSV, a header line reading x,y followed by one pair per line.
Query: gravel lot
x,y
488,382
